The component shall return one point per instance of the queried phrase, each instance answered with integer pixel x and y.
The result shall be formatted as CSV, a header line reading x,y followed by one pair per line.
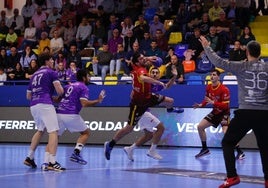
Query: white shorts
x,y
72,122
45,117
148,121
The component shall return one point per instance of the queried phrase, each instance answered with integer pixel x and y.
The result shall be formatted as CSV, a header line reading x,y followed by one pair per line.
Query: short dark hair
x,y
43,58
81,73
254,49
135,57
217,71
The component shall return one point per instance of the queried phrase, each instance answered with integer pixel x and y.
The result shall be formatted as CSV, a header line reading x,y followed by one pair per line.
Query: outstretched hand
x,y
204,41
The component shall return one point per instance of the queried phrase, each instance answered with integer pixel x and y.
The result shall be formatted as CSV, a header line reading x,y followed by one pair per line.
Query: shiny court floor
x,y
179,168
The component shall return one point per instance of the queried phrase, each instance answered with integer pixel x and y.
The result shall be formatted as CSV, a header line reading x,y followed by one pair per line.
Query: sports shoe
x,y
78,159
175,110
240,156
56,167
154,155
107,150
202,153
30,162
266,183
44,167
230,182
129,153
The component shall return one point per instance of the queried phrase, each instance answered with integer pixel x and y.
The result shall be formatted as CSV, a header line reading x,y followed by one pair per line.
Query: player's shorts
x,y
148,121
45,117
136,111
71,122
216,119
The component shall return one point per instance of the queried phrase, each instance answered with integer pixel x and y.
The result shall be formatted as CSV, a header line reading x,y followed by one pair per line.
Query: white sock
x,y
46,159
79,146
133,146
153,147
52,158
31,154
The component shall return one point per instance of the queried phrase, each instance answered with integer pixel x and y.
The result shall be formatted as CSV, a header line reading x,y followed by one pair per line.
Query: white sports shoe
x,y
154,155
129,152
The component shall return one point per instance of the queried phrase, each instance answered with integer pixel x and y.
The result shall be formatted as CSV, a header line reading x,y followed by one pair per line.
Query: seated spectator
x,y
237,53
167,59
71,72
33,67
3,58
214,11
69,34
154,50
56,44
118,59
17,73
140,28
67,15
84,31
195,45
98,33
11,38
59,28
12,59
162,42
44,42
3,32
3,76
29,36
126,25
74,56
3,16
126,65
60,59
113,24
38,17
52,17
128,41
43,28
213,38
205,24
155,25
102,63
178,64
114,41
223,27
16,22
27,56
61,71
27,11
246,37
145,43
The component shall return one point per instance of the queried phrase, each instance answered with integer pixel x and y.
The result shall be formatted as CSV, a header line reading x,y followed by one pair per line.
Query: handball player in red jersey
x,y
141,98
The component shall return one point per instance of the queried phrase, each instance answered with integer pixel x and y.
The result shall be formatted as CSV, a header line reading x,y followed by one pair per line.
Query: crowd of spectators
x,y
116,29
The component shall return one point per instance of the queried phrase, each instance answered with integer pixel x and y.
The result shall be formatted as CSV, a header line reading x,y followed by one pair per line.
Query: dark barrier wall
x,y
16,124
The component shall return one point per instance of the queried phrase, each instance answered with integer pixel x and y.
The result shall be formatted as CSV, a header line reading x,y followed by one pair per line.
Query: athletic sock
x,y
78,148
112,143
46,158
31,154
204,145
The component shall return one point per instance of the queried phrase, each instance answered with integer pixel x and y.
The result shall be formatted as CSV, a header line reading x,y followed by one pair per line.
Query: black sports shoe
x,y
56,167
202,153
30,162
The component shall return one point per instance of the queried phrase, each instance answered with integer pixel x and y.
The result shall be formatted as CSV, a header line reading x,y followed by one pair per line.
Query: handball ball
x,y
158,62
